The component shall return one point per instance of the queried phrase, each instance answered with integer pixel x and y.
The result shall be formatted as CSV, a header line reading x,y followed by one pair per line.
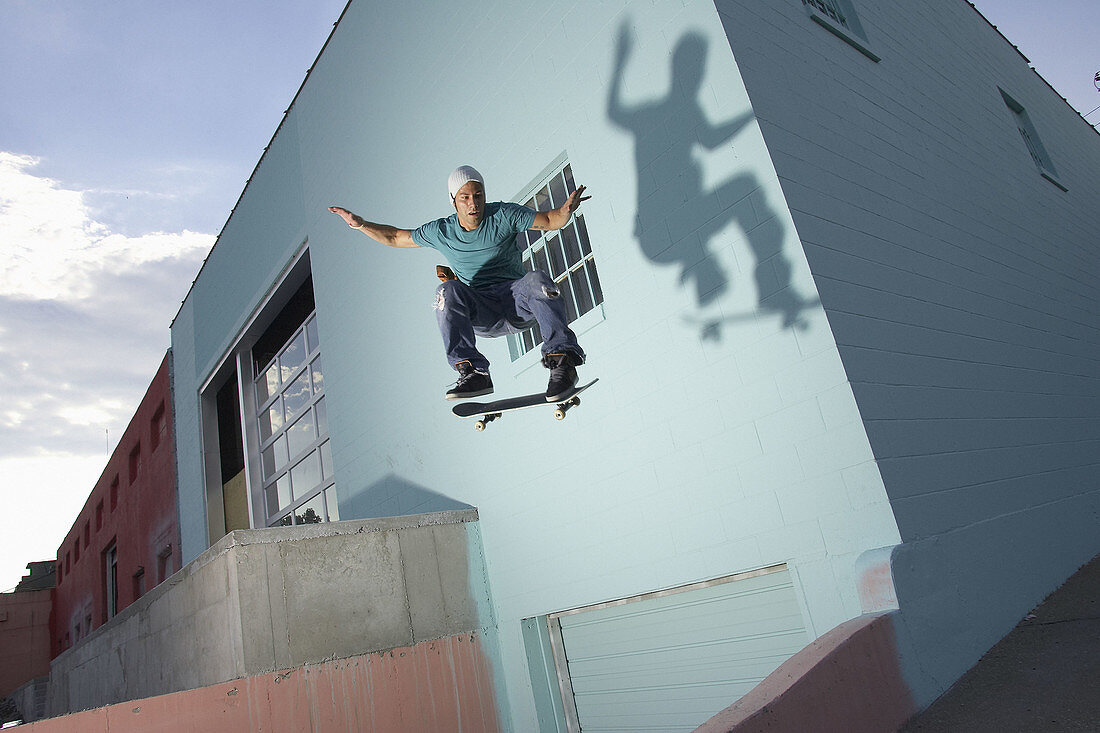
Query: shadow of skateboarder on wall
x,y
676,217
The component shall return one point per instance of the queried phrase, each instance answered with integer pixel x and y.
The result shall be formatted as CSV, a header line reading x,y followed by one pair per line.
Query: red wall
x,y
24,638
133,508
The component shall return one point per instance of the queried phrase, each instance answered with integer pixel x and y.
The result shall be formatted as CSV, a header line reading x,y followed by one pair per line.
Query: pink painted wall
x,y
847,681
437,686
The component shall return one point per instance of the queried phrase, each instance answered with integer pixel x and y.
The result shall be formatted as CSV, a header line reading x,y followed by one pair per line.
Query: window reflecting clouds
x,y
292,423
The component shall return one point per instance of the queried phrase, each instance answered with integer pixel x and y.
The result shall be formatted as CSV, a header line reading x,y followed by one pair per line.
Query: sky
x,y
127,132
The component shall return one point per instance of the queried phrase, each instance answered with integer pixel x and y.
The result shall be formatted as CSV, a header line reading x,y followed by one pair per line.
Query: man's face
x,y
470,204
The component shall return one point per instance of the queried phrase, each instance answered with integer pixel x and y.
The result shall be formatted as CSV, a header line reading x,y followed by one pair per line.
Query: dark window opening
x,y
293,315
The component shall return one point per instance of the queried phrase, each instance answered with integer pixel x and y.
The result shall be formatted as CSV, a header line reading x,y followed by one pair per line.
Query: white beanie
x,y
460,177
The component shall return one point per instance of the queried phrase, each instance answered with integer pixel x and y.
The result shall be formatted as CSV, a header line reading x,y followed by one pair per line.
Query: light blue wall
x,y
723,435
961,287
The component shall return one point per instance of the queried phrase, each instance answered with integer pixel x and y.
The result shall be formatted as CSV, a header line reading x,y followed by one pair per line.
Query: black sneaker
x,y
471,383
563,375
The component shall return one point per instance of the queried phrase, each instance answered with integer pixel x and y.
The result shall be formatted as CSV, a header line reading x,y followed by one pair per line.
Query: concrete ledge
x,y
848,681
267,599
240,537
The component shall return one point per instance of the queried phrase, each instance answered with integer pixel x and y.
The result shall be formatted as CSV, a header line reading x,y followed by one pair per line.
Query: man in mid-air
x,y
493,294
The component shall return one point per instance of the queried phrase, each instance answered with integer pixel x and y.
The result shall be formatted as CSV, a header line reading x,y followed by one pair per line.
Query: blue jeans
x,y
496,310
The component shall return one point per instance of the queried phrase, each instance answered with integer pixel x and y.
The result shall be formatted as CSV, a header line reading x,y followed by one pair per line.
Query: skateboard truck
x,y
480,424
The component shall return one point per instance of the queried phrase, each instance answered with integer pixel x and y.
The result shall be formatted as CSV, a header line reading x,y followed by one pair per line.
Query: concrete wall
x,y
263,600
438,686
961,287
723,436
27,702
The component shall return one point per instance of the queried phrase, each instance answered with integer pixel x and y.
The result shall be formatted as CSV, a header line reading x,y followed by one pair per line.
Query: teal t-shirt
x,y
487,255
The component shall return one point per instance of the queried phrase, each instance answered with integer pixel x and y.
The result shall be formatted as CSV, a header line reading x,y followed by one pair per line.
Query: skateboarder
x,y
493,294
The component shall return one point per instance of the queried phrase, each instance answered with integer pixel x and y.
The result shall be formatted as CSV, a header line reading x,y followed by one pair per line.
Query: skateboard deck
x,y
490,411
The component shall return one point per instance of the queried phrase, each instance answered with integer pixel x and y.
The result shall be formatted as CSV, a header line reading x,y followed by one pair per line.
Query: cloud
x,y
52,246
84,323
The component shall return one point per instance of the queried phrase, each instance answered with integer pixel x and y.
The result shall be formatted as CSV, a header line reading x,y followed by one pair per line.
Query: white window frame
x,y
1032,142
270,387
839,18
549,191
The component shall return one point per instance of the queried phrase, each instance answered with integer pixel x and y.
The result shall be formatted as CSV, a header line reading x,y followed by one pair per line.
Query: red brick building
x,y
126,538
25,631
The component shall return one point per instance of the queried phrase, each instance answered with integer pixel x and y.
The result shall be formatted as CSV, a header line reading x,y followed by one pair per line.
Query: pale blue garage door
x,y
669,661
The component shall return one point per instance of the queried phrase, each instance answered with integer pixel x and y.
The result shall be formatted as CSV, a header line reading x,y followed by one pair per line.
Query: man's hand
x,y
557,218
574,202
352,220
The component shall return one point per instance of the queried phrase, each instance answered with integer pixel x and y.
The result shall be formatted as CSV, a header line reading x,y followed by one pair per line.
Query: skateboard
x,y
493,410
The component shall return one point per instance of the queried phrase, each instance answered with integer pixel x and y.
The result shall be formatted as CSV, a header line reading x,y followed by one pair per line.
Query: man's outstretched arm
x,y
384,233
557,218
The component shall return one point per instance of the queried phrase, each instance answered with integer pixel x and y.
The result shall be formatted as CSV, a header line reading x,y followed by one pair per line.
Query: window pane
x,y
318,376
557,262
268,460
301,434
275,457
582,232
567,296
557,191
297,395
572,247
322,416
271,419
268,383
312,512
537,333
284,522
580,289
330,502
326,460
278,495
306,475
528,341
594,281
542,199
527,266
541,262
311,335
530,203
570,185
293,357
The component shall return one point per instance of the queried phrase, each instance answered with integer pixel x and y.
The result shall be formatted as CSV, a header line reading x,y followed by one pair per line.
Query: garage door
x,y
668,661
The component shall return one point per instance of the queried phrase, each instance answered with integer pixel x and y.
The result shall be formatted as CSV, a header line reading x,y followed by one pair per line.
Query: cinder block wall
x,y
961,288
722,437
265,600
